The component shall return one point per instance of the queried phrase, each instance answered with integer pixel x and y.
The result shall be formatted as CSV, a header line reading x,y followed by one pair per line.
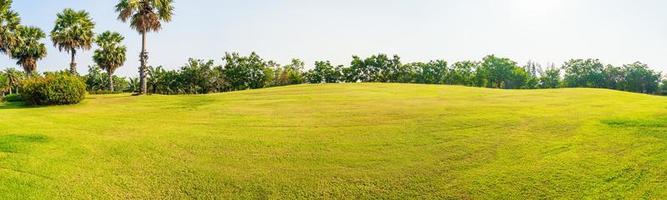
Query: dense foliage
x,y
53,89
239,72
98,82
195,77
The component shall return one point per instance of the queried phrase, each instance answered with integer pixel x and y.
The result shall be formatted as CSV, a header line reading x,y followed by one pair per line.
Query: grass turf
x,y
340,141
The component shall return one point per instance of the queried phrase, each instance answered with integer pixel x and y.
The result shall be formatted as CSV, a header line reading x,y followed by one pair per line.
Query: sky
x,y
546,31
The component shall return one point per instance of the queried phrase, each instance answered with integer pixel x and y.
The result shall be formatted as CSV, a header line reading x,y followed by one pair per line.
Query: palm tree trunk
x,y
142,69
11,83
110,82
72,64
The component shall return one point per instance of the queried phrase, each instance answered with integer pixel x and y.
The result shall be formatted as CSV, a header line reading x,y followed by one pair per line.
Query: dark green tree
x,y
639,78
433,72
551,78
462,73
244,72
495,72
584,73
324,72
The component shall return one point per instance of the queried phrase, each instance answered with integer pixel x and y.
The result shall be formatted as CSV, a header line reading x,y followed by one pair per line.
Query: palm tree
x,y
13,79
111,54
28,48
145,16
9,21
73,30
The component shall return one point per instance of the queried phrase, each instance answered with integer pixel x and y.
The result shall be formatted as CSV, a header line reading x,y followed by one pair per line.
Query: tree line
x,y
73,32
241,72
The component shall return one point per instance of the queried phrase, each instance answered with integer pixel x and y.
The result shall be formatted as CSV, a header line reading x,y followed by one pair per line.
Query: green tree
x,y
662,89
73,30
244,72
98,81
639,78
132,84
407,73
495,72
355,72
9,22
613,77
324,72
198,76
462,73
534,71
161,81
29,49
377,68
551,78
111,54
520,79
433,72
145,16
271,73
291,74
584,73
9,81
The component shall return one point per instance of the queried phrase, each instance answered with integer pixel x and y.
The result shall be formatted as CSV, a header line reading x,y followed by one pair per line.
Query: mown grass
x,y
347,141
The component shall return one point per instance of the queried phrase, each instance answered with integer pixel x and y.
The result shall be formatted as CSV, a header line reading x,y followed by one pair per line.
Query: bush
x,y
53,89
101,92
13,98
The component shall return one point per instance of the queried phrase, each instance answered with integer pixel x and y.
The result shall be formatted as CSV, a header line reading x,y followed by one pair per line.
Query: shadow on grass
x,y
17,105
656,127
17,143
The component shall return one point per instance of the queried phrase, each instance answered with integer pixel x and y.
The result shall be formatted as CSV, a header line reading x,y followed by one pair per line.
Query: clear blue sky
x,y
546,31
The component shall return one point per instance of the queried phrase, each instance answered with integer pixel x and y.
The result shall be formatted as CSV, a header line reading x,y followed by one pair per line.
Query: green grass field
x,y
348,141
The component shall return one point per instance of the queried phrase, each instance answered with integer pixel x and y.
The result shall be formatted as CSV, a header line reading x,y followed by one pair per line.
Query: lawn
x,y
343,141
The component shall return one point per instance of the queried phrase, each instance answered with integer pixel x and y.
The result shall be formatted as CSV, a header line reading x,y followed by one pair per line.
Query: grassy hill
x,y
340,141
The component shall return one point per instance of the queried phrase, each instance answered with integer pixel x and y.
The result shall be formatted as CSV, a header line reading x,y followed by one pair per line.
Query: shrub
x,y
13,98
53,89
97,82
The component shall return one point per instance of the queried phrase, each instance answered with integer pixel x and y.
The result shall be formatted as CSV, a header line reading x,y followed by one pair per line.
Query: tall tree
x,y
551,77
324,72
73,30
145,16
462,73
13,78
9,22
244,72
111,54
639,78
613,77
534,71
584,73
29,49
496,72
291,74
433,72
